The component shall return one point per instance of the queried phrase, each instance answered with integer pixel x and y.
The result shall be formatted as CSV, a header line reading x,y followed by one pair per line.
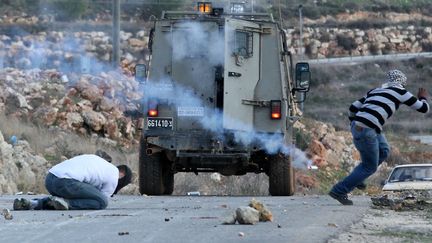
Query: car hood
x,y
408,185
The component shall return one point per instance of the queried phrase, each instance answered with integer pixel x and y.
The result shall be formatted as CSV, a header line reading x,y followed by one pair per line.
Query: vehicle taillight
x,y
153,109
276,108
204,7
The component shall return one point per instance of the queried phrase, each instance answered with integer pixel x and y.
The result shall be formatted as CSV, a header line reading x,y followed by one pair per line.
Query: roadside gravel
x,y
385,225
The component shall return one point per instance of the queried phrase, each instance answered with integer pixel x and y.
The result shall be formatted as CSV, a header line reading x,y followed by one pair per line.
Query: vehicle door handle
x,y
234,74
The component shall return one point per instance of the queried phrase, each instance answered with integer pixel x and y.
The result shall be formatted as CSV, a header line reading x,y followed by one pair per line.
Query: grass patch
x,y
327,179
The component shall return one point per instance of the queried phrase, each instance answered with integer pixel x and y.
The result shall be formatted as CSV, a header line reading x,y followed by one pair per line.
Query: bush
x,y
374,49
347,42
311,12
28,6
352,6
68,10
302,139
427,46
325,37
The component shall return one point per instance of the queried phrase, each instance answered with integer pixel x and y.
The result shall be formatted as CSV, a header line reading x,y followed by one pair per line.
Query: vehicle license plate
x,y
157,122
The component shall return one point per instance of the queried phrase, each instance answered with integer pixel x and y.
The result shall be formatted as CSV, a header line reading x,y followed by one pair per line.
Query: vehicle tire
x,y
150,172
281,176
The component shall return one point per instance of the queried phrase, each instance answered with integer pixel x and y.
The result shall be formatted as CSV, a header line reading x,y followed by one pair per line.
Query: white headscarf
x,y
395,78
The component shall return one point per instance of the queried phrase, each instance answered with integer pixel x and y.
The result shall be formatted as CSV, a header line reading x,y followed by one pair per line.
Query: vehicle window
x,y
186,48
411,173
243,43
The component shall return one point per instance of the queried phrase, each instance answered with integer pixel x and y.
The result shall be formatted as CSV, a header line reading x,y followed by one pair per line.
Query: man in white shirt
x,y
82,182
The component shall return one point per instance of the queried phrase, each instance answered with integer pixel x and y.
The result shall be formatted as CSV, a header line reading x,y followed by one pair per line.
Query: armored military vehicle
x,y
220,94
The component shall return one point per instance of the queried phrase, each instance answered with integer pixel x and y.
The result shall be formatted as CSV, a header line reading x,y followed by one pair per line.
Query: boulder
x,y
95,120
74,120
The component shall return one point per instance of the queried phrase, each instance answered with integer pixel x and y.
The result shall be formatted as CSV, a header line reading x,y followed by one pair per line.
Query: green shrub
x,y
68,10
351,5
325,37
311,12
374,49
347,42
302,140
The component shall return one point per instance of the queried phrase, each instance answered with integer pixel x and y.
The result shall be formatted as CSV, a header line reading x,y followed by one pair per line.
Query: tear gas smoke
x,y
197,40
177,95
42,54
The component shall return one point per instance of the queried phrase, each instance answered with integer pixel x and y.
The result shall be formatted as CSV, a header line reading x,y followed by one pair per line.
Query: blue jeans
x,y
373,148
79,195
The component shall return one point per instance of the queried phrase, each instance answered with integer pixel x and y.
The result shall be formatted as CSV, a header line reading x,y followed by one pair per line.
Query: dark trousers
x,y
373,148
79,195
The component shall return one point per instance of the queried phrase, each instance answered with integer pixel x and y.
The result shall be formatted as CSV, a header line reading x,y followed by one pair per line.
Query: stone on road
x,y
191,219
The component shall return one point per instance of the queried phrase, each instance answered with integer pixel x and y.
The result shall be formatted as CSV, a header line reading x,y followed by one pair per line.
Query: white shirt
x,y
91,169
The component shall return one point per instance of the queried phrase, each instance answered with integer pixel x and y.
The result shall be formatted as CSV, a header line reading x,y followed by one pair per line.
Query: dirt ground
x,y
385,225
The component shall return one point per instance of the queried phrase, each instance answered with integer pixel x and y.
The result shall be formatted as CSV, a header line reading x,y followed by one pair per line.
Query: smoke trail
x,y
177,95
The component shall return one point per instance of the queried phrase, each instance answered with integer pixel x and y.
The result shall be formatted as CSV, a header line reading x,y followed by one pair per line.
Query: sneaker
x,y
343,199
361,186
57,203
21,204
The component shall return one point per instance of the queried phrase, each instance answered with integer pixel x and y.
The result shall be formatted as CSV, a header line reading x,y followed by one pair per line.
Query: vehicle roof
x,y
412,165
192,15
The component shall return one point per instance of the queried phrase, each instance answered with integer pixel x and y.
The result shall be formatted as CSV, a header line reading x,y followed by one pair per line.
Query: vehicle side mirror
x,y
141,73
302,77
383,182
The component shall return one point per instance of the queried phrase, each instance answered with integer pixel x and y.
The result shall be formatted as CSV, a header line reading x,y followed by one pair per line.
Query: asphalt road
x,y
183,219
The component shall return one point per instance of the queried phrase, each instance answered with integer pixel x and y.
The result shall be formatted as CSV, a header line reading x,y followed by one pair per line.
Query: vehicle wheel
x,y
150,172
281,176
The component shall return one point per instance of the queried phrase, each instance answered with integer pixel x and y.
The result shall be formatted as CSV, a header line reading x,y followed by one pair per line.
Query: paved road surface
x,y
183,219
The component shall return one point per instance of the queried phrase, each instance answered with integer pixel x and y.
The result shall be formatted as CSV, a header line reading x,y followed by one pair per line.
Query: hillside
x,y
336,87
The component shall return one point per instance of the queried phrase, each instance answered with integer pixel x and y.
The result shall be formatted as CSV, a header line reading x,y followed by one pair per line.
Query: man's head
x,y
396,77
125,177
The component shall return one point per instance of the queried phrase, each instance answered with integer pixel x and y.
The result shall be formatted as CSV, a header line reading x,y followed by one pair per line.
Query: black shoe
x,y
361,186
343,199
21,204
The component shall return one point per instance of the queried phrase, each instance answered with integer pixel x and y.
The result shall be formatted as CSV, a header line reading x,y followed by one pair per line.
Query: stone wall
x,y
334,42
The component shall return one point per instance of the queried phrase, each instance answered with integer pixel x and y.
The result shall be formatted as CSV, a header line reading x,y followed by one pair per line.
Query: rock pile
x,y
403,200
25,19
330,150
21,170
86,52
86,104
252,214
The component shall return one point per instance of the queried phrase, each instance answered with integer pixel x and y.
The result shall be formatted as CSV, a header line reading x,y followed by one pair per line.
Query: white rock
x,y
247,215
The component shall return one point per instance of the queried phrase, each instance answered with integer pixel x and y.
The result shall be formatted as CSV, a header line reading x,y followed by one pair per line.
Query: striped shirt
x,y
379,104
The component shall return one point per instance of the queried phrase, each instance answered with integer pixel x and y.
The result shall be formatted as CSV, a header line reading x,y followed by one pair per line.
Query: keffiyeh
x,y
395,78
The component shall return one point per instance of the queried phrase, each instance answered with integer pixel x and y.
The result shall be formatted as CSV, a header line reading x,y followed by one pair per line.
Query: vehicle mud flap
x,y
168,182
281,176
150,172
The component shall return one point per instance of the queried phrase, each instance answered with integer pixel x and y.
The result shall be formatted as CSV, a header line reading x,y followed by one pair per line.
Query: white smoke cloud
x,y
206,43
51,50
177,95
191,41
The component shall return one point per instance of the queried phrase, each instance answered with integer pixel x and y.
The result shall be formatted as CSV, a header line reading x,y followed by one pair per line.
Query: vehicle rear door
x,y
241,73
